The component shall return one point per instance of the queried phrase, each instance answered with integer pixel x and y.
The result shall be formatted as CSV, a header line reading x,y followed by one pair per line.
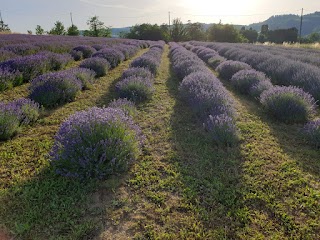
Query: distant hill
x,y
311,22
116,31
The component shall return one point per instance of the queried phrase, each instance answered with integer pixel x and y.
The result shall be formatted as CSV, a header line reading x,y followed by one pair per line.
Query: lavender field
x,y
106,138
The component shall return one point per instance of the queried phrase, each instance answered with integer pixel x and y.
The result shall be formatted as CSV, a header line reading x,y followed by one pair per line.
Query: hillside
x,y
311,22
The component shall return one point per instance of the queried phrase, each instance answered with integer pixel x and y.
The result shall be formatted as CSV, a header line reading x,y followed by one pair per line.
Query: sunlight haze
x,y
25,15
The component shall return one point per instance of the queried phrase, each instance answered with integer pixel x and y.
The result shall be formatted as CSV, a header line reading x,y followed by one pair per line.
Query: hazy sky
x,y
23,15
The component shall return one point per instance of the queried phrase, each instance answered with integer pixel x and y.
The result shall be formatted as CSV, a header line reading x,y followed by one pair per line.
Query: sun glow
x,y
228,10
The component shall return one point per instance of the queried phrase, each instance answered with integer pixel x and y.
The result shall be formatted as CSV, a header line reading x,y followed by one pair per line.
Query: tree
x,y
4,27
224,33
58,29
195,31
148,31
39,30
97,28
250,34
73,31
178,30
29,32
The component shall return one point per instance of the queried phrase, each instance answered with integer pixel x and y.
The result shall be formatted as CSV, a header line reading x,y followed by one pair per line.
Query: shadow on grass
x,y
53,207
211,174
289,137
48,207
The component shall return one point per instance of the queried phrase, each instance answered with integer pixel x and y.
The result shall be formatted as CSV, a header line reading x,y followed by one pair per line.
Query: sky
x,y
23,15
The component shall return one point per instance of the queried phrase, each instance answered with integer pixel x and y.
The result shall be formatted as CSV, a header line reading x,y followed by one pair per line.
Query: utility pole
x,y
71,19
301,25
169,25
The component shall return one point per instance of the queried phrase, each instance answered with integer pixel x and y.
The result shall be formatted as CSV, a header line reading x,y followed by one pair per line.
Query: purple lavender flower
x,y
6,55
95,144
113,56
288,104
227,69
135,88
137,72
222,129
245,79
9,79
311,132
127,106
53,89
99,65
86,50
10,116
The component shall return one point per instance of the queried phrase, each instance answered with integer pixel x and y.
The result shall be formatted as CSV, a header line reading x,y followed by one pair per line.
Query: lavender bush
x,y
222,129
148,62
214,61
14,114
85,75
29,66
134,88
206,95
99,65
288,104
95,144
244,80
127,106
311,132
6,55
258,88
9,120
9,79
86,50
113,56
228,68
53,89
29,110
76,55
137,72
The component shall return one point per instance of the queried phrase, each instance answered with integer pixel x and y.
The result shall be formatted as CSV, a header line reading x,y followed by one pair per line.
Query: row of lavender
x,y
310,56
205,94
281,70
287,103
101,141
20,70
56,88
21,45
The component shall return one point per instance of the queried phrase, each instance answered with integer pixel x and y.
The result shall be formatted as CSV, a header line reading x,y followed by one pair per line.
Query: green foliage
x,y
39,30
58,29
4,27
312,38
195,31
250,34
178,30
224,33
148,31
97,28
73,31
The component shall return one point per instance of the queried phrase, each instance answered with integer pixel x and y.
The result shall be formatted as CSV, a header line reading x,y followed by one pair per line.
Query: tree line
x,y
179,32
